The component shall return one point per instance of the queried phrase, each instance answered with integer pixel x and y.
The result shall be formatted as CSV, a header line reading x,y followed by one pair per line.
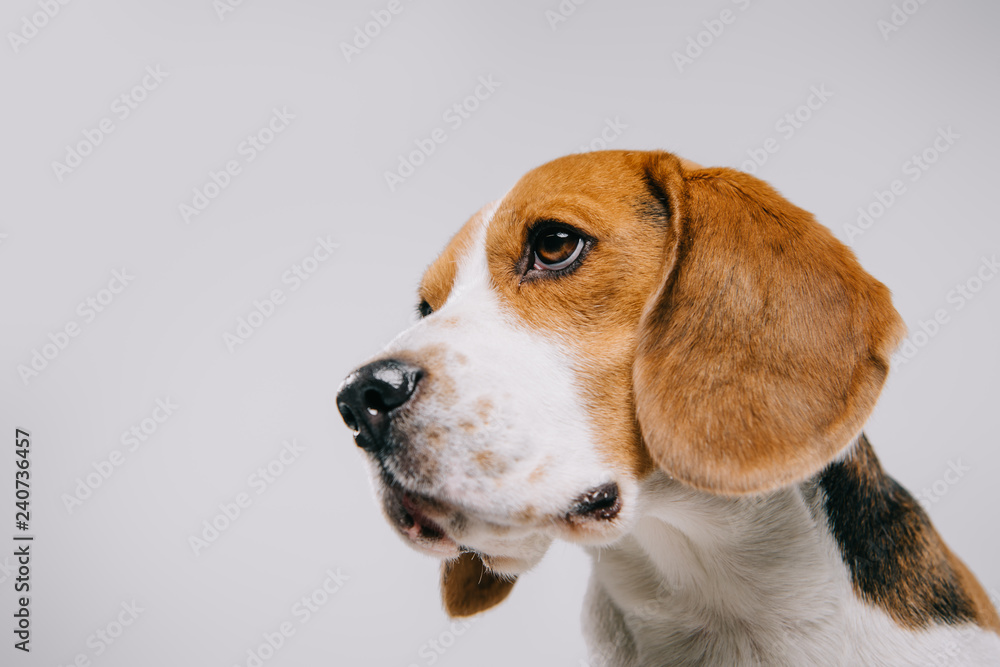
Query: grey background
x,y
324,175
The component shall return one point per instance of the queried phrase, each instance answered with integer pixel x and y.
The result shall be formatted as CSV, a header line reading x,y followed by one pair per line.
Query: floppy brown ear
x,y
469,587
766,346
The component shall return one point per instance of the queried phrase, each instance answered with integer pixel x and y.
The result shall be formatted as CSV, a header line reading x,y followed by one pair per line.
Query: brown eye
x,y
556,249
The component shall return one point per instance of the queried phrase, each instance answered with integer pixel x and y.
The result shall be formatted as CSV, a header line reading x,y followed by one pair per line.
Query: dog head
x,y
615,313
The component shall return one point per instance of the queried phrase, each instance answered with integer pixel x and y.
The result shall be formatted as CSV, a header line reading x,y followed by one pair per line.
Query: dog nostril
x,y
348,416
374,402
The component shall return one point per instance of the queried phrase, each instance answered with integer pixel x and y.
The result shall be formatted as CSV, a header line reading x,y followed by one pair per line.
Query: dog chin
x,y
596,518
438,529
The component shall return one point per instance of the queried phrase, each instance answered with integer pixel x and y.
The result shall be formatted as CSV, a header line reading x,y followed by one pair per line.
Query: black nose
x,y
368,396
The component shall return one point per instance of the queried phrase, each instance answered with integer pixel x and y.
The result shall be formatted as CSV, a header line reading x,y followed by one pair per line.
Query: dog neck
x,y
778,579
732,580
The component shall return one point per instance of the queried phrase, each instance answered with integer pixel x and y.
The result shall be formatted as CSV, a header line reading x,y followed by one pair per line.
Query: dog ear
x,y
469,587
766,345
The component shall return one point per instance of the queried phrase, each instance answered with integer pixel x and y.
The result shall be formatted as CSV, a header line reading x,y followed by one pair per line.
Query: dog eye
x,y
424,309
556,249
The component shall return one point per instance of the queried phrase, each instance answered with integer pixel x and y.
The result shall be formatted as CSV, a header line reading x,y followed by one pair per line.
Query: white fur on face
x,y
496,432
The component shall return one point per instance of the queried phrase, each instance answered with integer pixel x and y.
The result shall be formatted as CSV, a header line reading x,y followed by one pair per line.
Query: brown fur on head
x,y
710,329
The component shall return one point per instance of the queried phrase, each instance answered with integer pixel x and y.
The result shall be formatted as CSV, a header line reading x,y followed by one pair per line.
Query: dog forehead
x,y
606,195
578,184
600,192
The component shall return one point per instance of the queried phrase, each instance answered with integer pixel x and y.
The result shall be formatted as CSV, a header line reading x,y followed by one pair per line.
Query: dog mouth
x,y
418,525
418,519
425,522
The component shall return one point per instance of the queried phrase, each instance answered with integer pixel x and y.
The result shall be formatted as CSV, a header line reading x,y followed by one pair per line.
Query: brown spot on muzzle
x,y
538,473
450,322
490,463
484,408
437,382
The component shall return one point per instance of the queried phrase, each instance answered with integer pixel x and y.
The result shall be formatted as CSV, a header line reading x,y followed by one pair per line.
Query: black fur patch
x,y
657,206
896,558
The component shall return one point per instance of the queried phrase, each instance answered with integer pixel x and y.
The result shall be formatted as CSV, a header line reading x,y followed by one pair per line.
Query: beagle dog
x,y
670,365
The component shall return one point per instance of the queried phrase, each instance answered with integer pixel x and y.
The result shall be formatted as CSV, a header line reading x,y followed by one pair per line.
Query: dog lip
x,y
409,514
420,524
602,503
